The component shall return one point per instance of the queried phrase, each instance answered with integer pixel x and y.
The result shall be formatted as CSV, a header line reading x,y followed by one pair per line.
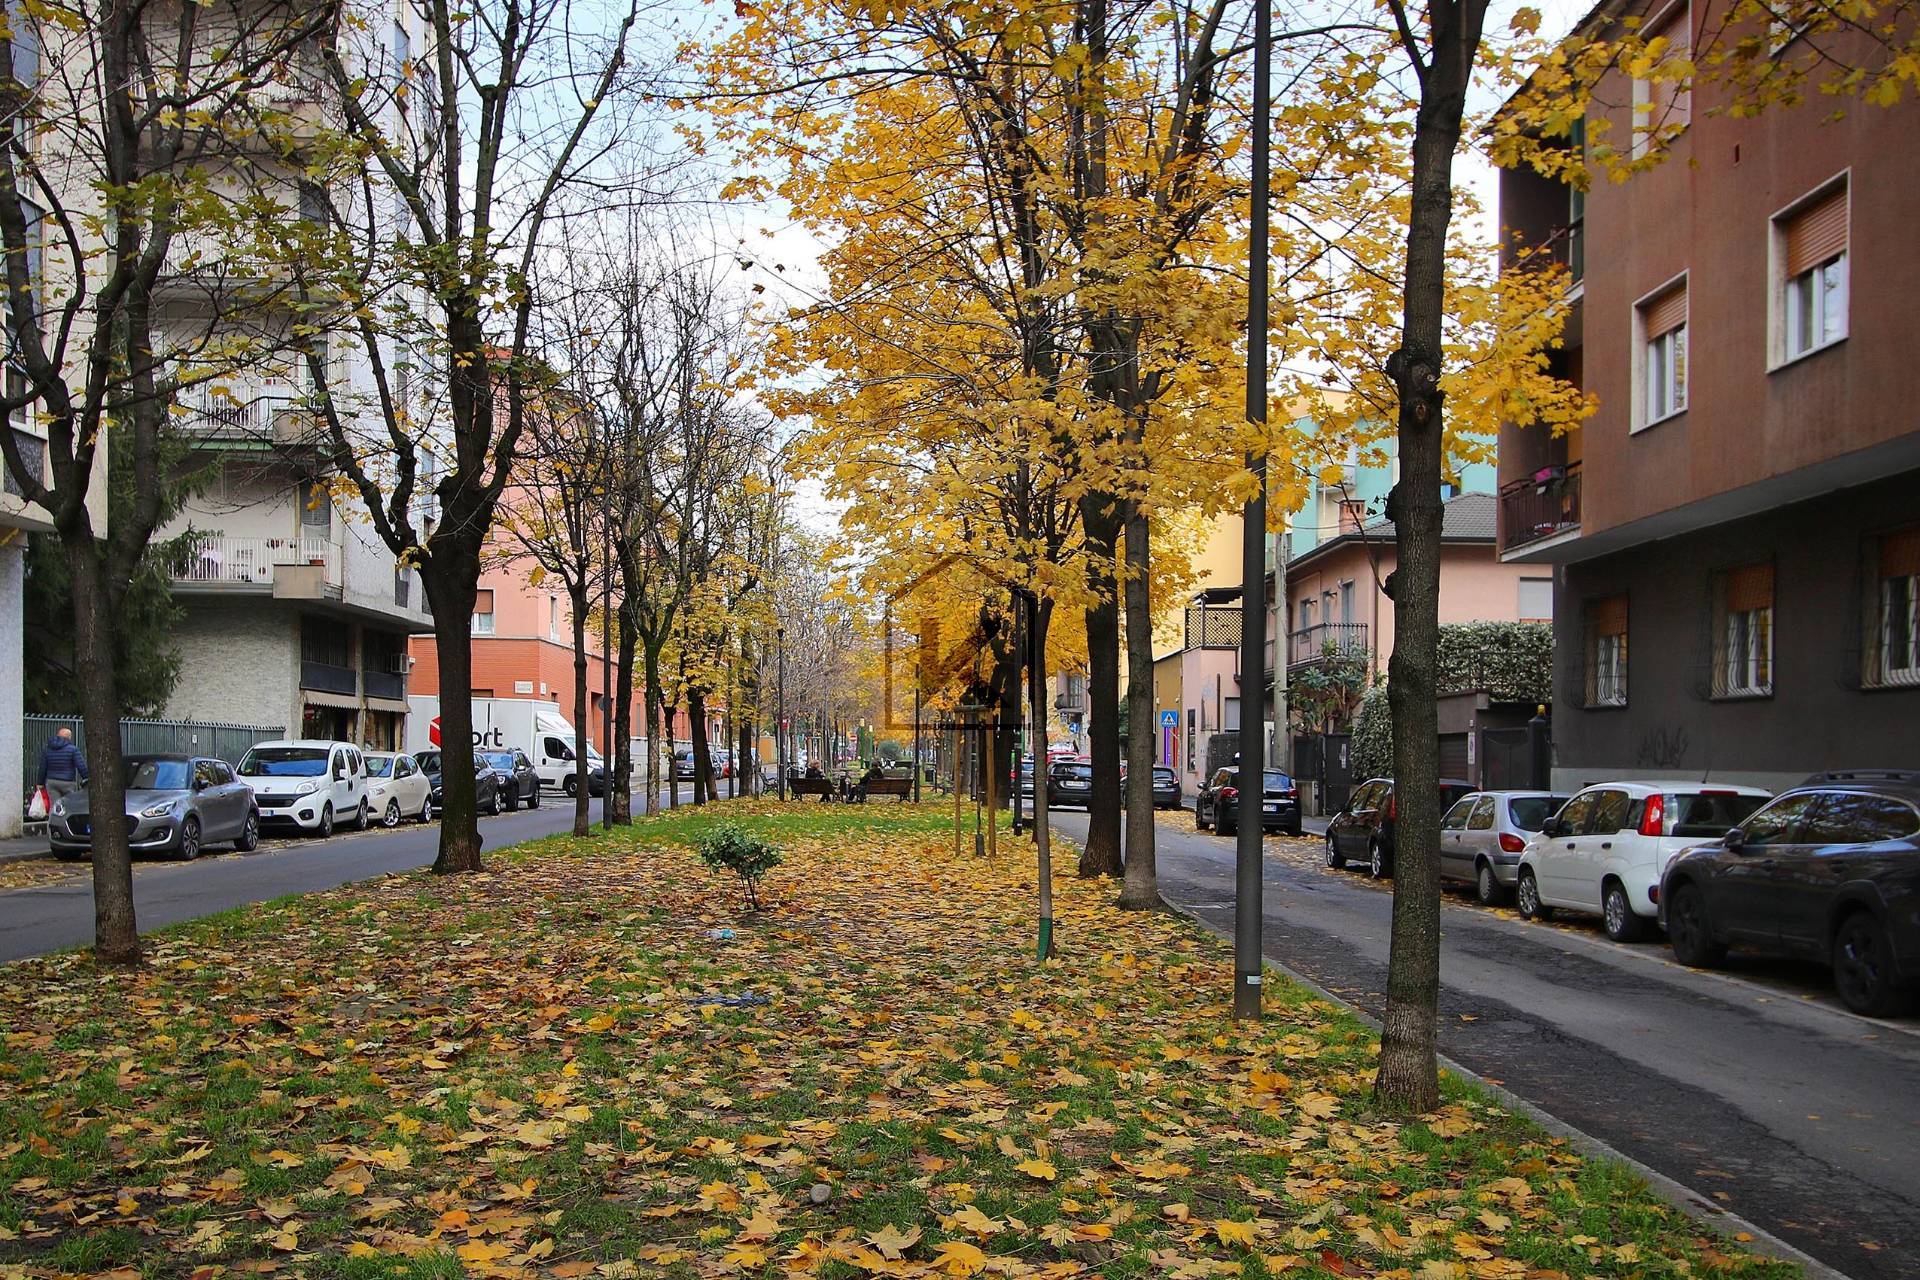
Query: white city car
x,y
308,784
397,788
1605,852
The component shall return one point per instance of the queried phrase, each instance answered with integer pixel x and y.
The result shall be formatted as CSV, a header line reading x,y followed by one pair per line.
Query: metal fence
x,y
222,741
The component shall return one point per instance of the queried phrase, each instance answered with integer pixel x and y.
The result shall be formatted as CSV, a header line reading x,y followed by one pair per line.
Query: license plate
x,y
1273,807
1073,786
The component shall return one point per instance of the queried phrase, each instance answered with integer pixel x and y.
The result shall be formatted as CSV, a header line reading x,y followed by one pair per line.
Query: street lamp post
x,y
1253,605
780,711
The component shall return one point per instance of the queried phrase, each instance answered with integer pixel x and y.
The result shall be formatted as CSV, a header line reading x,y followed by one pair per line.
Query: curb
x,y
1678,1194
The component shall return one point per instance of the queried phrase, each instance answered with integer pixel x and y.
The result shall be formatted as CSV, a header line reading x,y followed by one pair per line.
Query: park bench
x,y
822,787
902,787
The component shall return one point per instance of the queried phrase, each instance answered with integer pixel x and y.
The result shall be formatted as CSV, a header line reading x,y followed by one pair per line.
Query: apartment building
x,y
1735,534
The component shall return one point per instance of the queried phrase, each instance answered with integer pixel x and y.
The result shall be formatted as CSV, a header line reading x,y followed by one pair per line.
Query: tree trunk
x,y
116,935
451,575
582,820
620,782
651,711
702,757
1101,856
1142,889
1408,1079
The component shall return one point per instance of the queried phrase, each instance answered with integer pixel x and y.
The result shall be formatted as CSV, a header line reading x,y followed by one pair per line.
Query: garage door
x,y
1453,755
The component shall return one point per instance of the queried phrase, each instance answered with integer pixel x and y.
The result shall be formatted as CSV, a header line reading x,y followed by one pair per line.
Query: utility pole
x,y
608,755
780,709
1282,754
1253,605
1042,834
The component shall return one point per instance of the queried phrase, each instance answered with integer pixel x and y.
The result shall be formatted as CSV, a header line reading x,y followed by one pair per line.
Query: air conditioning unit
x,y
399,664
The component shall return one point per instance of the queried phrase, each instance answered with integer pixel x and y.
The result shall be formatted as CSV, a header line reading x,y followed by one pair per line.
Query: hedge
x,y
1512,661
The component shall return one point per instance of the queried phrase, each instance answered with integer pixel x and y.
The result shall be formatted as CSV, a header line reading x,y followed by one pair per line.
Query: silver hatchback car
x,y
176,804
1484,834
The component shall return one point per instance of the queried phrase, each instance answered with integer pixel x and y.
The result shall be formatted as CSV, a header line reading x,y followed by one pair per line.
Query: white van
x,y
501,724
307,783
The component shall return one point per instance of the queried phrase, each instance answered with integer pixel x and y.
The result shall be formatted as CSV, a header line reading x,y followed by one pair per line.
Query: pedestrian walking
x,y
62,768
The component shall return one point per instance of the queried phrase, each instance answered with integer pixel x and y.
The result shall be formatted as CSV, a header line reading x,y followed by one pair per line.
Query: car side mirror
x,y
1736,840
1553,827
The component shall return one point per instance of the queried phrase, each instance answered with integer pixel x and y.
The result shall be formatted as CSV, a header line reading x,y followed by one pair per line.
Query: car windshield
x,y
1077,772
1710,813
379,766
502,760
1530,813
429,761
160,775
285,762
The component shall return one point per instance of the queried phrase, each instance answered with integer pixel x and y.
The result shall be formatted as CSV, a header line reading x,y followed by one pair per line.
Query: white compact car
x,y
397,788
1605,852
307,783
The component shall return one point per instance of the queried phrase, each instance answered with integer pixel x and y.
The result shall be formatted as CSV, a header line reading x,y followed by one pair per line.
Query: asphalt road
x,y
55,916
1751,1087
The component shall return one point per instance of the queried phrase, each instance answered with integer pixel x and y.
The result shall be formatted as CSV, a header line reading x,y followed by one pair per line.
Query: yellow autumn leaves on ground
x,y
566,1067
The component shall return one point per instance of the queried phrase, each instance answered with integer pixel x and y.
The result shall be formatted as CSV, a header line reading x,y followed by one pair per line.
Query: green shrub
x,y
1371,751
730,847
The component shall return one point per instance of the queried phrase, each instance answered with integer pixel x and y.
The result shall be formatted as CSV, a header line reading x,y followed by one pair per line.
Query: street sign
x,y
1169,719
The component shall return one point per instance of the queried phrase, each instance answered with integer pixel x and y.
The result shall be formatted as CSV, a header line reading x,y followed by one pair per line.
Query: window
x,y
1606,644
1577,208
1779,822
483,613
1663,101
1578,811
1456,819
553,617
1482,819
1536,599
1230,716
1663,354
1743,632
1346,603
316,507
24,39
1810,246
1853,817
1190,729
1609,813
1893,632
314,206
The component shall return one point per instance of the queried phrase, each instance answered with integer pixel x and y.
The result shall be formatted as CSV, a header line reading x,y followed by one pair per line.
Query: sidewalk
x,y
23,847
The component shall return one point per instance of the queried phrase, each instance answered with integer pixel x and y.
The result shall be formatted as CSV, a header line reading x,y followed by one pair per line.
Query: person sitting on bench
x,y
873,774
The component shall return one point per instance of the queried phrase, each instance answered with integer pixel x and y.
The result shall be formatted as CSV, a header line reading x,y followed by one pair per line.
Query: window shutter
x,y
1900,552
483,601
1666,312
1817,233
1750,587
1608,616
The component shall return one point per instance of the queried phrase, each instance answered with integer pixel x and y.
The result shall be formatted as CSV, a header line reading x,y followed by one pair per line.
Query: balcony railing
x,y
324,677
1213,628
385,684
219,560
1326,640
1542,506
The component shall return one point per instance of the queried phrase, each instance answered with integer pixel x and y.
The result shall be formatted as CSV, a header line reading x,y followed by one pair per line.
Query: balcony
x,y
385,684
277,566
1213,628
324,677
1326,640
1543,507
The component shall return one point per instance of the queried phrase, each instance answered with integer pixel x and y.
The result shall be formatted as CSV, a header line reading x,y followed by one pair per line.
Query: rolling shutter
x,y
1817,233
1608,617
1666,312
1750,587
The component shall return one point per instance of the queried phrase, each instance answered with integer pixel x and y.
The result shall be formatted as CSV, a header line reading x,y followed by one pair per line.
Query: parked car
x,y
307,783
486,782
1069,782
1484,834
519,782
397,788
1829,871
1166,788
175,804
1217,804
1604,853
1363,831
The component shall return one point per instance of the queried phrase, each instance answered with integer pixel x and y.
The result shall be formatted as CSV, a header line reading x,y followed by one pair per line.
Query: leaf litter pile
x,y
592,1061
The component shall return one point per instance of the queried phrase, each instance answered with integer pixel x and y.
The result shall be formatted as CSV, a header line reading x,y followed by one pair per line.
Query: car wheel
x,y
361,816
1224,827
1336,860
571,786
1377,860
1863,968
1199,823
189,838
249,837
533,801
1294,831
1529,895
426,808
1486,887
391,816
1689,931
325,829
68,855
493,801
513,797
1617,911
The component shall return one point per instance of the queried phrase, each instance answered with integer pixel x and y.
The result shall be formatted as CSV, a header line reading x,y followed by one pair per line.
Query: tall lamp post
x,y
780,711
1253,604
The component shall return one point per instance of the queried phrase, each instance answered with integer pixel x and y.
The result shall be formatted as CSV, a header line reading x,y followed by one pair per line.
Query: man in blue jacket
x,y
62,767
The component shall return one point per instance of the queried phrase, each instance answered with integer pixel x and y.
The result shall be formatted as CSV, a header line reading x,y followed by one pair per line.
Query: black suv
x,y
1069,782
1363,831
1218,802
1829,870
519,783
